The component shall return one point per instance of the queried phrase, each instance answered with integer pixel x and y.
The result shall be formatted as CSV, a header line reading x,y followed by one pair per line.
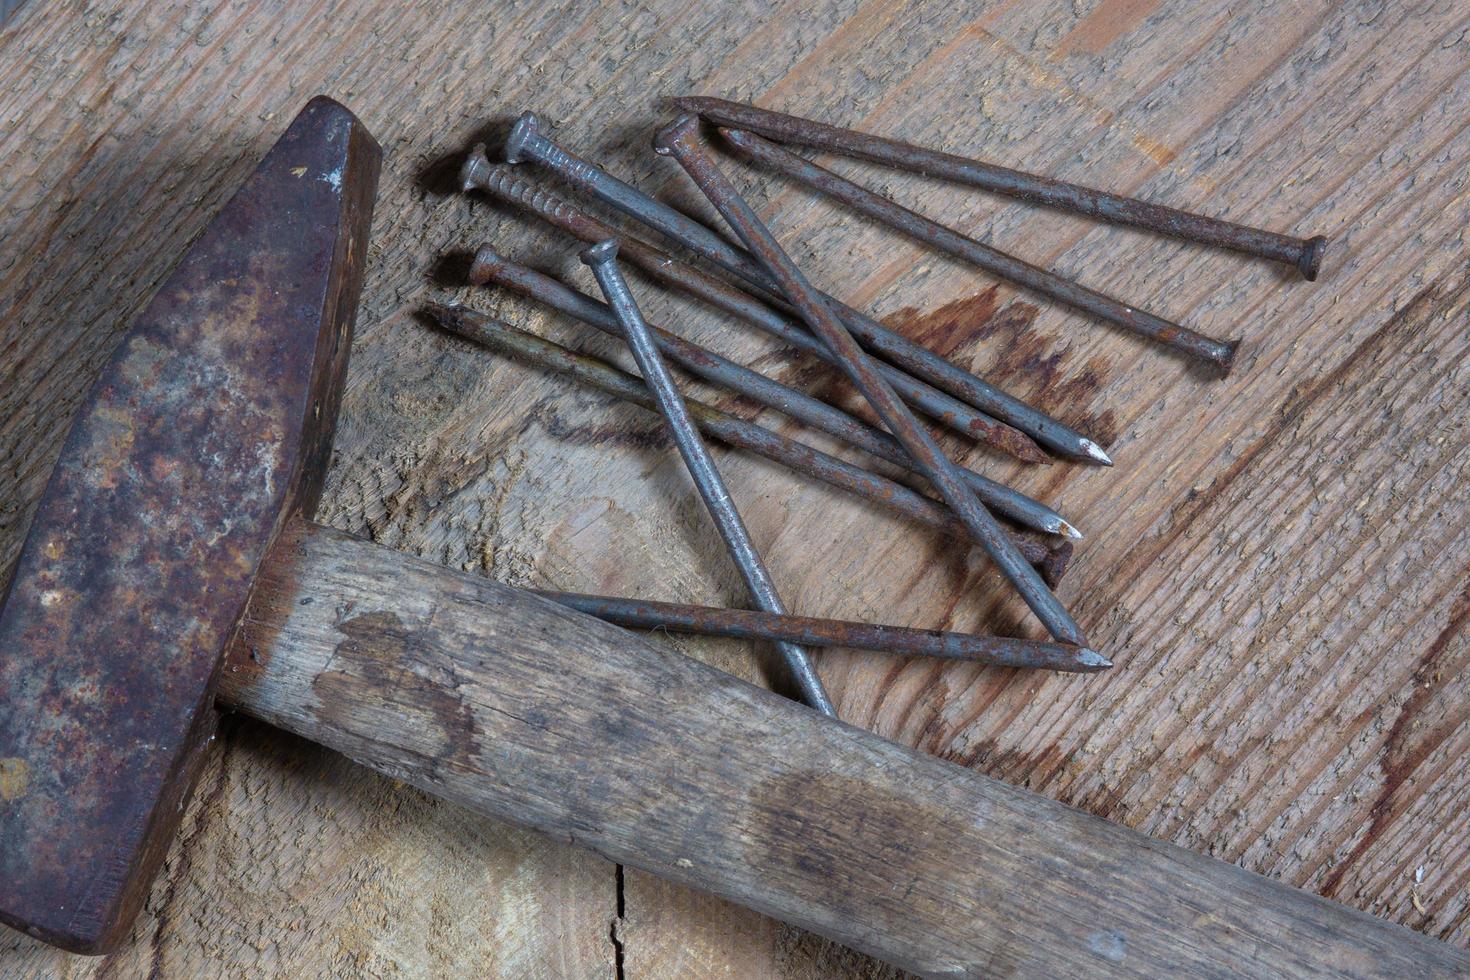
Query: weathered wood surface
x,y
518,708
1278,563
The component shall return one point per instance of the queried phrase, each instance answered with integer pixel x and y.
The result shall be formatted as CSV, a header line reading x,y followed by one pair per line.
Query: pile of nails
x,y
764,288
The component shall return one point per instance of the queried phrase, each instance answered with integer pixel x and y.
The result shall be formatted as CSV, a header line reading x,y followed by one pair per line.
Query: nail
x,y
491,267
602,260
747,624
1305,254
527,142
681,140
992,260
504,183
488,332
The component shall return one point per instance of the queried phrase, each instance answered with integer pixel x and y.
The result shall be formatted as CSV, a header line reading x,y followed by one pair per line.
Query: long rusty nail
x,y
527,142
1305,254
682,141
747,624
1050,561
602,260
490,266
992,260
504,183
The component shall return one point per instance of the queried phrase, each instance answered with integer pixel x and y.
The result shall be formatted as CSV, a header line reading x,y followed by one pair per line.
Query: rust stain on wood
x,y
953,327
1023,360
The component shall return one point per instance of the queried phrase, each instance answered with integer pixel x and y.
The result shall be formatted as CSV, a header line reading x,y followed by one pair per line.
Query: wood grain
x,y
1279,562
518,708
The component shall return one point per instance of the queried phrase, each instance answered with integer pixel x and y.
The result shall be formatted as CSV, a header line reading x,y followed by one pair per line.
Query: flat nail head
x,y
473,171
1310,262
601,253
526,128
1229,362
678,131
482,268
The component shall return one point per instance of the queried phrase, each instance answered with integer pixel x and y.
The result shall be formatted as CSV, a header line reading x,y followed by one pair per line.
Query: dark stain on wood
x,y
899,834
378,653
617,433
1405,748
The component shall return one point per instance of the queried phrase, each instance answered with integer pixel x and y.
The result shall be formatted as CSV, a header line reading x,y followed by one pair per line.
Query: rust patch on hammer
x,y
209,426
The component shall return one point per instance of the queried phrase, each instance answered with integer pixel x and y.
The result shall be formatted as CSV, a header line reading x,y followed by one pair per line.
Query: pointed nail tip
x,y
1026,450
1095,452
1066,530
1092,660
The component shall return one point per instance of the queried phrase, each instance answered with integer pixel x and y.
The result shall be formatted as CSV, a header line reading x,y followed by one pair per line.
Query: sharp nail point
x,y
1094,451
1093,659
1067,530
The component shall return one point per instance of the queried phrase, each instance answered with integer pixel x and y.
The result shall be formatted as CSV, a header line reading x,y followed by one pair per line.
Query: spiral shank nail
x,y
505,183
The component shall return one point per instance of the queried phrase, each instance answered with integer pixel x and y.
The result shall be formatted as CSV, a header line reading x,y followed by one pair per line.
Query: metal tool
x,y
490,266
1217,352
749,624
1305,254
172,557
527,142
210,426
602,259
504,183
682,141
1050,562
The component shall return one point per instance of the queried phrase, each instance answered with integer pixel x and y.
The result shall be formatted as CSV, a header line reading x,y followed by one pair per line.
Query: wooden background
x,y
1278,563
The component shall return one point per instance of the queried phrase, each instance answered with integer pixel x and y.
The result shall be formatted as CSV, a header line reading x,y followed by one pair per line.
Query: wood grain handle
x,y
509,704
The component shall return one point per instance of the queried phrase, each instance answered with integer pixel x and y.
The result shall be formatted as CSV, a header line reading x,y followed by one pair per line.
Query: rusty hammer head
x,y
208,428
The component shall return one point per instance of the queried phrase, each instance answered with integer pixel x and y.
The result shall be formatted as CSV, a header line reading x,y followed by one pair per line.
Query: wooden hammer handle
x,y
518,708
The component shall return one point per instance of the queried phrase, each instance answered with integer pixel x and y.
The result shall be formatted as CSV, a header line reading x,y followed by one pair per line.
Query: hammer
x,y
173,565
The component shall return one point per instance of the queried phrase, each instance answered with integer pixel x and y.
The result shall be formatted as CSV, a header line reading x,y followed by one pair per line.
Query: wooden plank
x,y
1278,562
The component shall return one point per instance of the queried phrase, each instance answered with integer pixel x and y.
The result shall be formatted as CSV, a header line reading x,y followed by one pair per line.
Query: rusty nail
x,y
747,624
491,267
601,258
992,260
1305,254
503,183
797,456
527,142
681,140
